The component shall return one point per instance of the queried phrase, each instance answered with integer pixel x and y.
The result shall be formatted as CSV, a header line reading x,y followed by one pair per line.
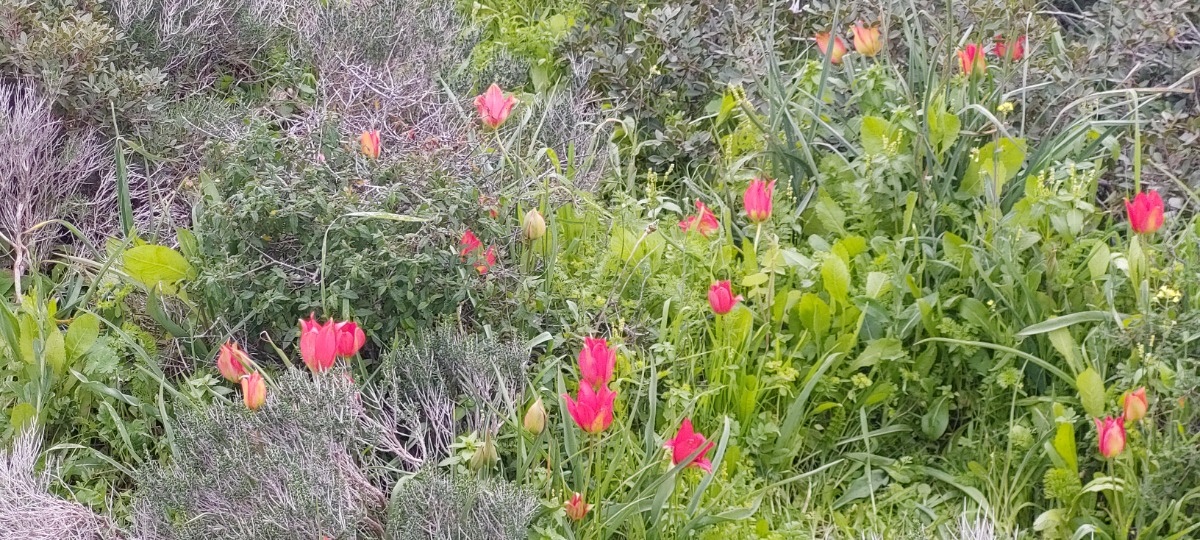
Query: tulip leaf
x,y
1090,386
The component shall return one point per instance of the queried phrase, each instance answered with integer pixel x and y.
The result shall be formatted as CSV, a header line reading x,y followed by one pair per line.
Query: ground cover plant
x,y
597,269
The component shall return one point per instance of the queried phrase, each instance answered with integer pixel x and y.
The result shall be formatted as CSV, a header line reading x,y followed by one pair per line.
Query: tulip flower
x,y
469,243
493,106
704,222
866,40
757,200
533,226
1017,49
318,344
1145,212
593,411
1111,435
596,362
1135,404
576,508
350,338
839,47
254,391
687,441
232,362
535,417
370,143
971,60
721,298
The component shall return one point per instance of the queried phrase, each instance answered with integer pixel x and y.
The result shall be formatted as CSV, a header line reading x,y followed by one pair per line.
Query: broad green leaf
x,y
29,331
56,351
1049,519
814,314
936,419
1098,263
877,350
878,284
81,335
836,277
1064,445
1065,344
1090,386
156,266
943,130
998,164
875,134
22,416
956,251
754,280
862,487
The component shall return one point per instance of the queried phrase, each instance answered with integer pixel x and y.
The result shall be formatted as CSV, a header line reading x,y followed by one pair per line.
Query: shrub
x,y
437,506
27,509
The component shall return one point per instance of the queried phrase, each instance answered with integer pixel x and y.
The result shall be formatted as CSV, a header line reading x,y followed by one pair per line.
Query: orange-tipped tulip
x,y
493,106
488,261
1135,404
704,222
370,143
1111,436
576,507
593,411
318,344
866,40
596,362
1145,212
350,339
254,391
232,362
1017,48
839,47
686,442
757,200
971,60
721,298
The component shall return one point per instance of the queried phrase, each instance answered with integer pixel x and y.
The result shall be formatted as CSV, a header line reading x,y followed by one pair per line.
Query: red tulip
x,y
1018,48
1135,404
593,411
489,260
493,106
971,60
576,507
686,442
350,338
1111,436
703,222
469,243
866,40
596,362
232,362
370,143
757,200
839,47
721,298
254,391
318,344
1145,212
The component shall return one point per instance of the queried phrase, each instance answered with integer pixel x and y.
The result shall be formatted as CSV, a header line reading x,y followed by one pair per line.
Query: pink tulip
x,y
1111,435
493,106
971,60
1145,212
232,362
254,391
576,507
721,298
839,47
351,338
318,344
686,442
757,200
596,362
593,411
703,222
1135,404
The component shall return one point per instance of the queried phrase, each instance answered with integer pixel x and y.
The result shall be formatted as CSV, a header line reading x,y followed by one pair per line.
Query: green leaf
x,y
1090,386
1098,263
875,134
814,314
156,266
1065,344
22,416
1064,445
754,280
936,419
1052,324
835,275
81,335
998,165
943,130
56,352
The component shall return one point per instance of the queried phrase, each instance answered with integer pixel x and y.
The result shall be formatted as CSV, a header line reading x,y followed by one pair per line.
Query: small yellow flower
x,y
1005,107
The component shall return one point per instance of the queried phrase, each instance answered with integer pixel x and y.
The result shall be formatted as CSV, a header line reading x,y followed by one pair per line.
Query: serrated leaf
x,y
874,134
1090,386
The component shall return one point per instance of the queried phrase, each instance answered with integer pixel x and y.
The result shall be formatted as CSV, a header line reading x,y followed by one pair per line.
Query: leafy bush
x,y
434,505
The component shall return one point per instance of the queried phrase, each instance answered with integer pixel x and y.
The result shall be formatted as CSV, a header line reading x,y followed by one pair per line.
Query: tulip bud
x,y
254,391
535,417
533,225
1135,404
485,455
576,508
